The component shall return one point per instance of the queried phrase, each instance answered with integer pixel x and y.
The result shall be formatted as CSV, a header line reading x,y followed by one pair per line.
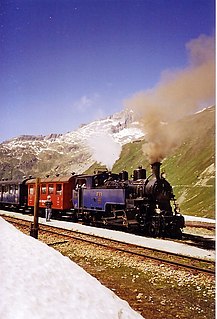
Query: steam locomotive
x,y
141,203
104,198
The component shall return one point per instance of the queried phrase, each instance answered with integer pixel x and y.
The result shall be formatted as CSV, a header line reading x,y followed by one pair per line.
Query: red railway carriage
x,y
59,188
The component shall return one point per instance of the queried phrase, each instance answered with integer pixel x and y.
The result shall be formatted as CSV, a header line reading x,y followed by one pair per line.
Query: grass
x,y
186,165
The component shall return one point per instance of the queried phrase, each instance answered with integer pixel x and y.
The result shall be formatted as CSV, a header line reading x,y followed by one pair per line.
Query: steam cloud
x,y
178,94
104,149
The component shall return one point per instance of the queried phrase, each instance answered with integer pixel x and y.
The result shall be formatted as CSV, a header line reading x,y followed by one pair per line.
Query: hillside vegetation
x,y
190,168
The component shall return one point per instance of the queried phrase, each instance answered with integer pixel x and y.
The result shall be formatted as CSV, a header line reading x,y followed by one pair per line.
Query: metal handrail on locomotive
x,y
144,203
104,198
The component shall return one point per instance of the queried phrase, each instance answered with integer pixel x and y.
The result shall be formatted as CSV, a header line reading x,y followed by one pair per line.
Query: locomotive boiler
x,y
144,204
141,202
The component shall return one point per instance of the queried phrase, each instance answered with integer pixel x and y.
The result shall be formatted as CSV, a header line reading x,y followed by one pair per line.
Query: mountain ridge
x,y
62,153
190,167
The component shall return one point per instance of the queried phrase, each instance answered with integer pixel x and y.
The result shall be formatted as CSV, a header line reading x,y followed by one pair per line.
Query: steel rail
x,y
175,263
210,271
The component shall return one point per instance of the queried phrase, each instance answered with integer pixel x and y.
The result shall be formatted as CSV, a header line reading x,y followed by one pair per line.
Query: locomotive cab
x,y
141,202
99,198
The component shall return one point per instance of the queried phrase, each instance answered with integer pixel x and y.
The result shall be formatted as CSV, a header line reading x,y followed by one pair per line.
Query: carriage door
x,y
59,196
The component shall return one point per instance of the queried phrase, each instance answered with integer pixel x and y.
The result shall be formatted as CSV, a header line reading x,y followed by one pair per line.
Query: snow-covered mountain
x,y
191,165
71,152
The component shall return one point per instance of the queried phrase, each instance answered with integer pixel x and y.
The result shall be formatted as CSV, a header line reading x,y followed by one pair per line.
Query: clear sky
x,y
65,62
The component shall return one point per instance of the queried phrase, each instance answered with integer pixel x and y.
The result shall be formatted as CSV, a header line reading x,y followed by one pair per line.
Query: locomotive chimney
x,y
156,169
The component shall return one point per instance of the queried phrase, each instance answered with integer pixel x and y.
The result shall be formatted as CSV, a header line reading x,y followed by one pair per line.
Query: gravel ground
x,y
200,231
156,290
153,289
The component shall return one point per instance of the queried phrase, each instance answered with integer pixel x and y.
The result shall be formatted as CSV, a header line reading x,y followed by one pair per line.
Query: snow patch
x,y
38,282
206,175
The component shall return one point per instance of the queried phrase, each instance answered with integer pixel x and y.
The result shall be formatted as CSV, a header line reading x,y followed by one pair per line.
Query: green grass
x,y
185,166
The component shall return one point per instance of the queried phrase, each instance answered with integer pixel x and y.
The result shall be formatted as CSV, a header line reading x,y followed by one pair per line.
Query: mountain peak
x,y
30,154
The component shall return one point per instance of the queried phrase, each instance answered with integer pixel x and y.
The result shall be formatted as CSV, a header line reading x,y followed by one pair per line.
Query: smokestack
x,y
156,169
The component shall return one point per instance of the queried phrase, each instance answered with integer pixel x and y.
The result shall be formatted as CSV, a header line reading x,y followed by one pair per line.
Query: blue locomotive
x,y
104,198
142,203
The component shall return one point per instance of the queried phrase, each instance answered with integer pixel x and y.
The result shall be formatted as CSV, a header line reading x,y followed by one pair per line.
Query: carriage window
x,y
50,189
5,189
11,189
16,189
31,189
59,189
43,189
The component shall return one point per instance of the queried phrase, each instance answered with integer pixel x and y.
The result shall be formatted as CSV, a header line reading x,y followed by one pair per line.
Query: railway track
x,y
199,241
59,236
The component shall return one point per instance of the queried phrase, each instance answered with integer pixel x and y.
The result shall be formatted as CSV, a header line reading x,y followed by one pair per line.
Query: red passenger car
x,y
59,188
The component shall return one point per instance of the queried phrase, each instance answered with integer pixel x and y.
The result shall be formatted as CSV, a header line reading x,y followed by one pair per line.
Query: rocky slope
x,y
117,143
66,153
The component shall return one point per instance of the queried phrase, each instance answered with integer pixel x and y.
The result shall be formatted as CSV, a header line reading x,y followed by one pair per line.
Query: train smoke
x,y
104,149
179,93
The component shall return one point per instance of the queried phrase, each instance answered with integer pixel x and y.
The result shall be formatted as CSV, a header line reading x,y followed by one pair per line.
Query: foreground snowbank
x,y
37,282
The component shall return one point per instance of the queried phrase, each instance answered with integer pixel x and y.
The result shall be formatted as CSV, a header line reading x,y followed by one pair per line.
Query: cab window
x,y
11,189
16,189
5,189
81,183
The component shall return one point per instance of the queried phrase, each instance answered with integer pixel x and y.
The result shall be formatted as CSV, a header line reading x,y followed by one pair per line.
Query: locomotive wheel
x,y
128,227
175,232
93,220
152,229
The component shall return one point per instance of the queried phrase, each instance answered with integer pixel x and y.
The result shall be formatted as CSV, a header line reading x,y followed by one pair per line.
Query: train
x,y
140,203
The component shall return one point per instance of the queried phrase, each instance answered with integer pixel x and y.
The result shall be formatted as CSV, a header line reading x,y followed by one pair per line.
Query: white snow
x,y
199,219
160,244
206,176
122,134
37,282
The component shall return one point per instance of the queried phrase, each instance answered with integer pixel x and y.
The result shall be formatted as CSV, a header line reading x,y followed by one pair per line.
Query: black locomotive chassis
x,y
105,198
159,225
156,225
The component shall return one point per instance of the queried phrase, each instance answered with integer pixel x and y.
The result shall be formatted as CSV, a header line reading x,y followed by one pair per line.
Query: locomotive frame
x,y
142,203
104,198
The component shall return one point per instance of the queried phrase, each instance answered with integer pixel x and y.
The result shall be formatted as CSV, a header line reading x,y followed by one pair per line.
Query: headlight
x,y
157,210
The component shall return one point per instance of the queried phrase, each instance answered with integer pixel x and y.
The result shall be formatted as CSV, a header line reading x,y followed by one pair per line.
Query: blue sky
x,y
64,62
